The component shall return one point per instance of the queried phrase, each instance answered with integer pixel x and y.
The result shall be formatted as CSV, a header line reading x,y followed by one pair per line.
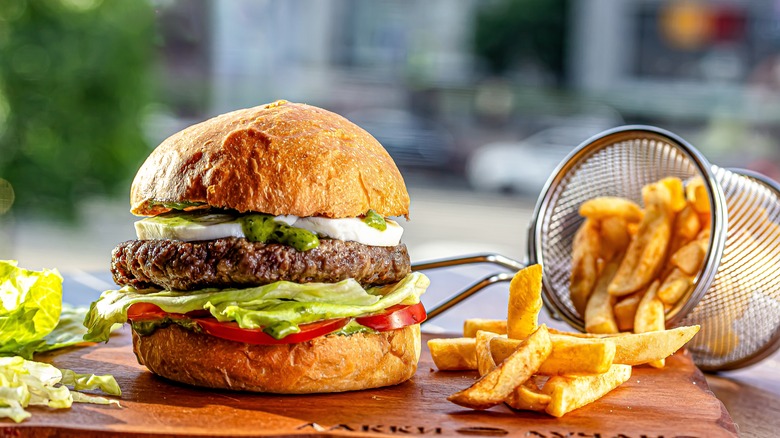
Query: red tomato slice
x,y
395,317
146,311
231,331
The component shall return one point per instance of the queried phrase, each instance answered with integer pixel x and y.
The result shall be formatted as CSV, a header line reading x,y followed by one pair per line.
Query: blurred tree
x,y
73,88
510,32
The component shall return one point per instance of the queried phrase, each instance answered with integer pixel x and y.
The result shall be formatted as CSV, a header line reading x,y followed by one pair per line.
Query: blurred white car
x,y
523,167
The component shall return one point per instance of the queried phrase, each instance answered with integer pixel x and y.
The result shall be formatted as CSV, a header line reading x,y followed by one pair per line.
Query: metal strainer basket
x,y
736,296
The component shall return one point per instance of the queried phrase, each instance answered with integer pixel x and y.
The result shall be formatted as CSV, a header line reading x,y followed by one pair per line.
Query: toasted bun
x,y
280,158
325,364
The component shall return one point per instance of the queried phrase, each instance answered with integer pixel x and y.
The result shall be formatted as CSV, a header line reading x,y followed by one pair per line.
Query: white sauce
x,y
349,229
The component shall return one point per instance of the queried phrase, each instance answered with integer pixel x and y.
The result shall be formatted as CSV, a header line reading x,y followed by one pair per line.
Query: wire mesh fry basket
x,y
736,295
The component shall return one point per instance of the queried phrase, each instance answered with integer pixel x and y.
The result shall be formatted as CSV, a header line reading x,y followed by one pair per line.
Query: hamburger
x,y
268,260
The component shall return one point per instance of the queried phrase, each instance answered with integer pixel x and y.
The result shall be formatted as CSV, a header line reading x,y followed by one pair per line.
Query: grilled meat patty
x,y
237,262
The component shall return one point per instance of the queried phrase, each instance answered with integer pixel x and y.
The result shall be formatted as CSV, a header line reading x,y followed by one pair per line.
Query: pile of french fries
x,y
531,367
631,265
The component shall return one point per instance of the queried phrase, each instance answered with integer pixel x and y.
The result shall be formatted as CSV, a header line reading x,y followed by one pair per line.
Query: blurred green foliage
x,y
510,32
74,82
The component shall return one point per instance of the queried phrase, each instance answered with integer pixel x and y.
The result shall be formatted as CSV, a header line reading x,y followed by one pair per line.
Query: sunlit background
x,y
477,101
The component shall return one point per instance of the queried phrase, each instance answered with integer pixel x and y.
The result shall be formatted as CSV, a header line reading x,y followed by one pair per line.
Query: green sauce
x,y
353,328
374,220
203,217
176,205
263,228
146,328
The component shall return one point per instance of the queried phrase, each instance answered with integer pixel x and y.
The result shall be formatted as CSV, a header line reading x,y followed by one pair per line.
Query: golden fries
x,y
581,367
674,286
640,348
584,268
527,397
677,193
570,355
669,244
690,257
525,302
610,206
599,317
650,316
485,361
697,196
614,237
646,252
454,353
571,392
625,310
495,386
687,225
473,325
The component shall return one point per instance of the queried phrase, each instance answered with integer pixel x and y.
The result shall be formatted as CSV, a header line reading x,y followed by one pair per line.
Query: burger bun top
x,y
280,158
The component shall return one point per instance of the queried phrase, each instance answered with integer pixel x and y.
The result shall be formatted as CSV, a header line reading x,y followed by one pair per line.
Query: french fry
x,y
525,302
570,355
599,317
485,362
686,226
495,386
647,251
675,285
614,237
571,392
677,192
528,397
690,257
697,196
454,353
610,206
641,348
650,316
625,310
584,270
649,313
473,325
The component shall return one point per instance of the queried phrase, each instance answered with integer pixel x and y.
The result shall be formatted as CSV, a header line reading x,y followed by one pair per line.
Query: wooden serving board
x,y
674,402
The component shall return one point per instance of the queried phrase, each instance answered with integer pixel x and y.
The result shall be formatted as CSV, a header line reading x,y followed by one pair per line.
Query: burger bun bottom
x,y
333,363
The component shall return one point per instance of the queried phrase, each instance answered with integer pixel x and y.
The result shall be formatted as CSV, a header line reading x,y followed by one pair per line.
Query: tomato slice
x,y
146,311
395,317
232,332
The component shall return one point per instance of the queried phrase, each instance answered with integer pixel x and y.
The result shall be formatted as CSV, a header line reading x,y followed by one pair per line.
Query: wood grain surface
x,y
673,402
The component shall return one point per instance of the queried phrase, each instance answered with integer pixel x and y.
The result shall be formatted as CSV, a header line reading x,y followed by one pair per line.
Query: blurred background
x,y
477,101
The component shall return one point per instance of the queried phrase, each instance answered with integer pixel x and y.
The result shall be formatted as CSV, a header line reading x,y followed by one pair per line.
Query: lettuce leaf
x,y
33,318
30,306
69,331
264,306
26,383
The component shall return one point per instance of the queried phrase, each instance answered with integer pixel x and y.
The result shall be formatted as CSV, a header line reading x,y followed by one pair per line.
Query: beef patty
x,y
237,262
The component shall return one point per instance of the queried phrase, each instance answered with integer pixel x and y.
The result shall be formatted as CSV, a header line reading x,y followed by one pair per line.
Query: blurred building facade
x,y
707,69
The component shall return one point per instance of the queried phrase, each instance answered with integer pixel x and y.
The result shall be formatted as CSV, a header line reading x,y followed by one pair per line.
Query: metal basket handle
x,y
497,259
